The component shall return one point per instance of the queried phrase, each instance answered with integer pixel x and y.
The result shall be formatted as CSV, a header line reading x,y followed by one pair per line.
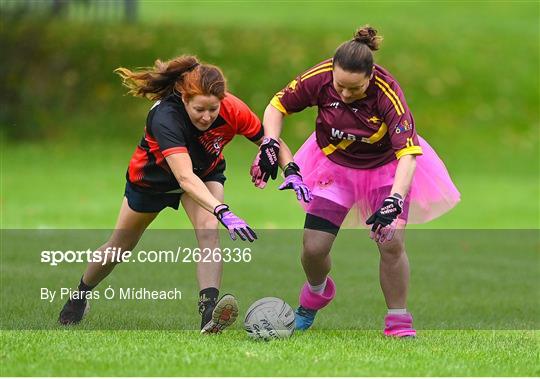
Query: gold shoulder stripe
x,y
398,110
276,103
391,92
412,150
324,65
317,73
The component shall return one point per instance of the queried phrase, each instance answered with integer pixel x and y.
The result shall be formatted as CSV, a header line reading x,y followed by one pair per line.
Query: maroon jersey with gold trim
x,y
169,130
367,133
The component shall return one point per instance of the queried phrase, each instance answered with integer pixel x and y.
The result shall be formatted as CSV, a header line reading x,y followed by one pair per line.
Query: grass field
x,y
486,325
470,70
318,353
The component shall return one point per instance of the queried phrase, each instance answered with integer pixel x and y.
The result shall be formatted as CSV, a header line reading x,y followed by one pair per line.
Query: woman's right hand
x,y
234,224
265,165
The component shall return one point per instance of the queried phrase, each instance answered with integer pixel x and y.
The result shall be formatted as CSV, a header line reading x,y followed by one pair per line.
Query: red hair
x,y
185,74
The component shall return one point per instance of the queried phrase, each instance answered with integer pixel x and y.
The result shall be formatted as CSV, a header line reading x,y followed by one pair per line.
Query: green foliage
x,y
67,86
459,66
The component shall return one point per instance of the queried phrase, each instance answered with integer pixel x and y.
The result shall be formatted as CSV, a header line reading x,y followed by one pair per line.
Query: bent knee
x,y
314,250
124,240
392,249
210,224
207,230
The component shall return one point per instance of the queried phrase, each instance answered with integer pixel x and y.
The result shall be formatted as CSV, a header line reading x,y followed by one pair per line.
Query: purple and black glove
x,y
234,224
293,180
265,165
383,221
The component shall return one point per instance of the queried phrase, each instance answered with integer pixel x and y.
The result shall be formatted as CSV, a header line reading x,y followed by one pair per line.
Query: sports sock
x,y
397,311
207,296
83,288
318,289
207,300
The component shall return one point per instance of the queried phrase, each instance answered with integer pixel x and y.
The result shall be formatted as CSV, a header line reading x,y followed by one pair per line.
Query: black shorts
x,y
140,200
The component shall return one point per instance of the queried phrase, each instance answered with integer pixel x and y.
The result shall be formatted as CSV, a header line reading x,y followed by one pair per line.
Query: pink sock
x,y
318,289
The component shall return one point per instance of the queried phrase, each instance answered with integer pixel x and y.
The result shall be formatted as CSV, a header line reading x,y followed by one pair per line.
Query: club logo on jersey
x,y
405,126
374,119
213,140
292,85
217,145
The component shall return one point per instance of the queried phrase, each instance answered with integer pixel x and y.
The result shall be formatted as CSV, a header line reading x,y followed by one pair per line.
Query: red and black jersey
x,y
169,130
367,133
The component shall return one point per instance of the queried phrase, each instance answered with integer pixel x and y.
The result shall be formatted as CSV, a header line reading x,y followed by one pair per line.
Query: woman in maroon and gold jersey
x,y
180,159
364,156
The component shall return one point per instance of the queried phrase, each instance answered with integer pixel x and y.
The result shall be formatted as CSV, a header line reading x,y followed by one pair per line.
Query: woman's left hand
x,y
295,182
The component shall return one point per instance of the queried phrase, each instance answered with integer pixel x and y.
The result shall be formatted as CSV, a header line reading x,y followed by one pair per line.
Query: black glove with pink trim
x,y
389,211
265,165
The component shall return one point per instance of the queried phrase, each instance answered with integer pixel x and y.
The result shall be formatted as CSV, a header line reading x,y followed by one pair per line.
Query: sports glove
x,y
265,165
234,224
382,221
293,180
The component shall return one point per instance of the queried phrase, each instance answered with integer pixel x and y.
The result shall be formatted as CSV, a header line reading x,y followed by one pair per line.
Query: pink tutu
x,y
362,191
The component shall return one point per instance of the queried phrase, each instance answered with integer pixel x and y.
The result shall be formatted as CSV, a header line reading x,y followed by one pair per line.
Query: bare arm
x,y
182,169
272,121
285,155
404,175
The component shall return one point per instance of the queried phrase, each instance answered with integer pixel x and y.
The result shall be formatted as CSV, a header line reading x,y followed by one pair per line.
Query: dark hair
x,y
356,55
185,74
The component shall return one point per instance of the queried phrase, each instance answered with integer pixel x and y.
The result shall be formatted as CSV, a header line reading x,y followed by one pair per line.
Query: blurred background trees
x,y
469,71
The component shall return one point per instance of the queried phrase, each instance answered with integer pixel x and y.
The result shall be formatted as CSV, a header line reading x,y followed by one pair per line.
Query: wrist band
x,y
218,210
291,169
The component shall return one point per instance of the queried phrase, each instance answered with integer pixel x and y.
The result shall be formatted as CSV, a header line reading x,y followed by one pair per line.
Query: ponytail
x,y
368,36
184,74
356,55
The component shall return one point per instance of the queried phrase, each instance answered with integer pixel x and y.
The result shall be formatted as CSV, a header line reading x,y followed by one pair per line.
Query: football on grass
x,y
269,318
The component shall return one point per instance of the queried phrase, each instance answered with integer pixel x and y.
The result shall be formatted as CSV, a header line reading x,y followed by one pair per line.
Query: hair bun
x,y
368,36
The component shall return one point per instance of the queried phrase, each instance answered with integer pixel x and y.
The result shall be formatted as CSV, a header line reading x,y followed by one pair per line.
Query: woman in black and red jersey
x,y
180,159
365,157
